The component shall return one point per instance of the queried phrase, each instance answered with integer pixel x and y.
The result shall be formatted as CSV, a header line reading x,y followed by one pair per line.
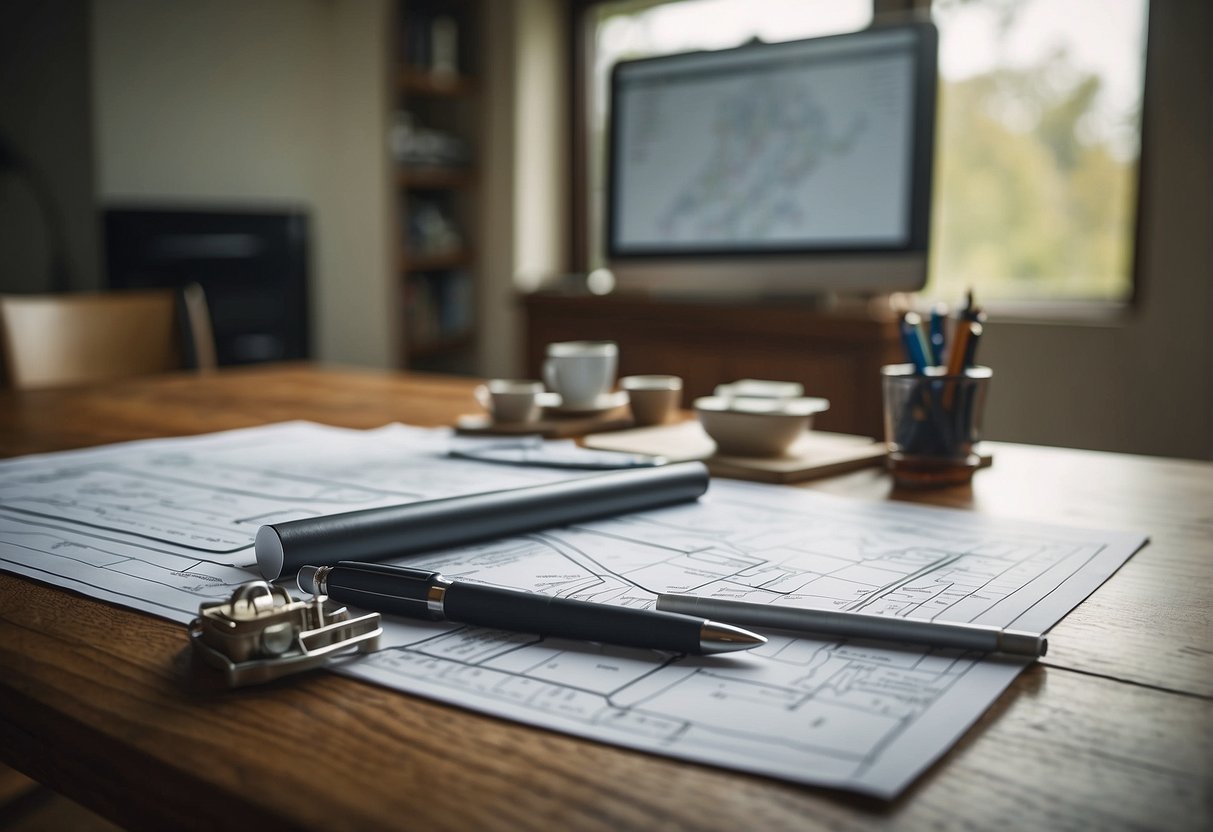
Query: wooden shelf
x,y
461,259
436,178
419,81
440,346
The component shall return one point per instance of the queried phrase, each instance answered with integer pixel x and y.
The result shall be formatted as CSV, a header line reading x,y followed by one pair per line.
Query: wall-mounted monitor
x,y
772,169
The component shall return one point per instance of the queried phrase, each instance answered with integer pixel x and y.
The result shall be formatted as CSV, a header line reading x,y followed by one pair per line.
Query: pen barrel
x,y
396,590
887,628
395,531
531,612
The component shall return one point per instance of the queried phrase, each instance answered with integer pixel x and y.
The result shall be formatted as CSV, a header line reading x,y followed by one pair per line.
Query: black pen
x,y
420,593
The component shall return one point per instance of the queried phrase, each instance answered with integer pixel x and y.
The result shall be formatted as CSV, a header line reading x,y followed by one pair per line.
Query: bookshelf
x,y
434,142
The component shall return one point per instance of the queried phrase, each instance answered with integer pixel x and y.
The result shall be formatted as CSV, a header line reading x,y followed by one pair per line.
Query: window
x,y
1038,138
1037,148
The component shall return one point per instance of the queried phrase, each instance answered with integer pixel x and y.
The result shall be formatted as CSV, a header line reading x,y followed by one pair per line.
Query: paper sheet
x,y
163,525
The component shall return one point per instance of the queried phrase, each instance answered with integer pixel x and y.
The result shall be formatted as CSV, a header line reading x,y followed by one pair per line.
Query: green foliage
x,y
1025,208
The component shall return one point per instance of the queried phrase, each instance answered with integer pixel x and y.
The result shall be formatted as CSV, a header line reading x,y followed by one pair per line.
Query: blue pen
x,y
939,337
914,342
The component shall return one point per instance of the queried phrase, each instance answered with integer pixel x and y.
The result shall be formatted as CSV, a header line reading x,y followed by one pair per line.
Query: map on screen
x,y
778,150
803,165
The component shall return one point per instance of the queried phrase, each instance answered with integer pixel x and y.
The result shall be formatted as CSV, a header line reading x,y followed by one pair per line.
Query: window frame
x,y
580,57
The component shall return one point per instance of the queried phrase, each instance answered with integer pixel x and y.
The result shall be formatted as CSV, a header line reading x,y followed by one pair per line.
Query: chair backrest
x,y
64,339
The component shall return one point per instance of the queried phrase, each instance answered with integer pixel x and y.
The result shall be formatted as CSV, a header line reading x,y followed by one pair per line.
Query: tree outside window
x,y
1038,146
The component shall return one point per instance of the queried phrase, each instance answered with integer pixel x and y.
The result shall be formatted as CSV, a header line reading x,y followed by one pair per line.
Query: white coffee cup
x,y
510,400
582,372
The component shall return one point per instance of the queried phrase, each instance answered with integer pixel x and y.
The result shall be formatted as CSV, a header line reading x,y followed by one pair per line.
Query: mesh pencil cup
x,y
932,423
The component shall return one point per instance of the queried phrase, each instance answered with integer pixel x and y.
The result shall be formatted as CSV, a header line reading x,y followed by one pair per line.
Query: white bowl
x,y
756,388
756,427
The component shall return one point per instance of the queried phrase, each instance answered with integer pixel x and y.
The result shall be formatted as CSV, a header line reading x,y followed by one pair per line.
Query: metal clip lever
x,y
261,633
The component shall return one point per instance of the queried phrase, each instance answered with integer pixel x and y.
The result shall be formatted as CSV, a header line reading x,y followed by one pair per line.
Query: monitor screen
x,y
773,168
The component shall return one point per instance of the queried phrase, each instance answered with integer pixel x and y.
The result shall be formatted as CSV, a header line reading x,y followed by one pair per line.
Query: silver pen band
x,y
436,595
320,580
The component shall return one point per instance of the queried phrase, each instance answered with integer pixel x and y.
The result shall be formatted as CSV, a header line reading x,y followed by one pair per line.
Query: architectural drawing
x,y
845,713
162,526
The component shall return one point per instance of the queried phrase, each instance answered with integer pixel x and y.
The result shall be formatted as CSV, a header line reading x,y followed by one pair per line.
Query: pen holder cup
x,y
932,423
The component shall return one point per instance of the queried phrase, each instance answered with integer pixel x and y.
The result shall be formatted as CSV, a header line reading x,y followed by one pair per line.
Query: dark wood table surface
x,y
108,706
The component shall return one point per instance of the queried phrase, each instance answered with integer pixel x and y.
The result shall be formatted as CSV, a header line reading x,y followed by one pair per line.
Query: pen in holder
x,y
932,421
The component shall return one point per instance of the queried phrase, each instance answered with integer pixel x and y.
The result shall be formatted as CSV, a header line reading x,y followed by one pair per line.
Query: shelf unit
x,y
435,139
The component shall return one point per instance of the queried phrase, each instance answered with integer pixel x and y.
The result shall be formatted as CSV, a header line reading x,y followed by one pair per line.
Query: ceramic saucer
x,y
553,403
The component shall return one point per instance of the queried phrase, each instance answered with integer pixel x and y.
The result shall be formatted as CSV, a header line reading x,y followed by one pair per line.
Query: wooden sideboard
x,y
836,354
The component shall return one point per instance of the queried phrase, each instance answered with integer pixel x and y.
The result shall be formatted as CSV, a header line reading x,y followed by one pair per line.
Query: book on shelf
x,y
432,40
431,230
439,307
416,146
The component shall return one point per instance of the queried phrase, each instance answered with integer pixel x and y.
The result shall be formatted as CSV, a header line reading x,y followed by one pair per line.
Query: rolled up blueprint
x,y
394,531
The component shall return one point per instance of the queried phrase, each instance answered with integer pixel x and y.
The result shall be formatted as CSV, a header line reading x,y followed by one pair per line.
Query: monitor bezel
x,y
793,269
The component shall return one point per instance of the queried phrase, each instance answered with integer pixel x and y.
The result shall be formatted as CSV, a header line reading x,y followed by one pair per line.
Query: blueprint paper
x,y
164,525
161,525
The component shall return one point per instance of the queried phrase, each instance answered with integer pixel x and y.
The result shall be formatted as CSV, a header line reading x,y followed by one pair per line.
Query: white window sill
x,y
1093,313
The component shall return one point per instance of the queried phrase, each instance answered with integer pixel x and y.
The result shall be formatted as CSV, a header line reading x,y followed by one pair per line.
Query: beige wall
x,y
525,164
267,102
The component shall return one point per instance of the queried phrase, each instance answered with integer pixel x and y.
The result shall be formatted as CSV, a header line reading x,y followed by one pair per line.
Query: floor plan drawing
x,y
164,525
858,715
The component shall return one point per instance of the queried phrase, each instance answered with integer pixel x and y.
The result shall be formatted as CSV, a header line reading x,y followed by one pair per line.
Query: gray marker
x,y
861,625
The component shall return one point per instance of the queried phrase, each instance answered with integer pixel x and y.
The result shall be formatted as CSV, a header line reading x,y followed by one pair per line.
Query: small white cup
x,y
582,372
510,400
654,398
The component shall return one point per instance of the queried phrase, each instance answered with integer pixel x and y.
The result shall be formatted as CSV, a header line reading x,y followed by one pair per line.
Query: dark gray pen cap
x,y
1022,644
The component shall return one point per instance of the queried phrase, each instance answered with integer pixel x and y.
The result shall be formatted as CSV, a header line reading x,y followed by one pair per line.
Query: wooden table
x,y
109,707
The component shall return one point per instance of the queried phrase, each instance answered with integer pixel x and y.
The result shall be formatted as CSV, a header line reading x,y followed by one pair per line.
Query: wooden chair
x,y
65,339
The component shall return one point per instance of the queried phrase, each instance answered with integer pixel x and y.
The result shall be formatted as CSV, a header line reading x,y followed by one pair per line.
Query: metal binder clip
x,y
262,633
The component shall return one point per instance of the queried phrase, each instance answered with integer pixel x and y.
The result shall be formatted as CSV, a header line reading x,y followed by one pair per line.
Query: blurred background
x,y
419,184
